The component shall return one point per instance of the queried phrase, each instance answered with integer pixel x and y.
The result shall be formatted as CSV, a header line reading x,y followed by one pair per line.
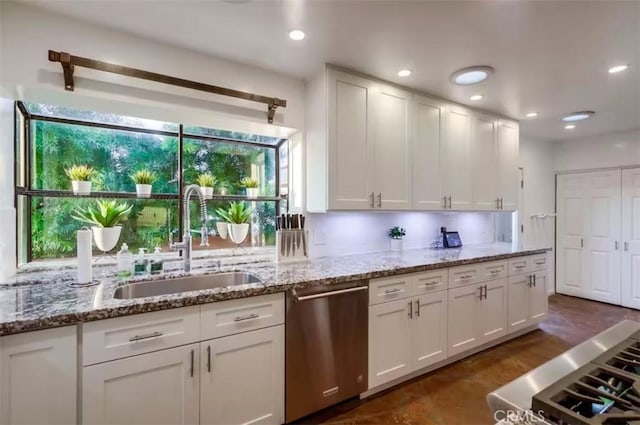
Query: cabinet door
x,y
483,162
350,125
156,388
538,298
38,377
456,158
519,299
428,121
429,329
389,341
507,164
493,311
462,328
242,380
631,238
391,153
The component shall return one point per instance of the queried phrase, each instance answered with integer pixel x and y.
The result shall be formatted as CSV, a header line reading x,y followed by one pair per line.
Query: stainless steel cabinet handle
x,y
392,291
380,200
371,198
432,283
417,308
328,294
501,203
534,280
497,203
520,266
626,246
193,353
209,358
495,271
486,290
466,276
540,262
247,317
449,202
480,288
146,336
444,202
410,310
530,283
617,245
581,243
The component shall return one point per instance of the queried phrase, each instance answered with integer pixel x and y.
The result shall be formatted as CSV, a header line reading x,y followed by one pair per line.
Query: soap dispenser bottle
x,y
140,264
125,262
157,263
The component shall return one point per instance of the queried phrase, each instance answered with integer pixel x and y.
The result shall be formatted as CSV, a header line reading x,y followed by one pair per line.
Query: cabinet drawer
x,y
389,288
493,270
424,283
241,315
519,265
538,262
121,337
464,275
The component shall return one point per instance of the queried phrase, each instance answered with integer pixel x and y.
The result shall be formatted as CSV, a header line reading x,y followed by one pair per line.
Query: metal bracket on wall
x,y
69,62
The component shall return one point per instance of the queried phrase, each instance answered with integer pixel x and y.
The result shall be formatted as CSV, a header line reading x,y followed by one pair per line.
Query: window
x,y
49,139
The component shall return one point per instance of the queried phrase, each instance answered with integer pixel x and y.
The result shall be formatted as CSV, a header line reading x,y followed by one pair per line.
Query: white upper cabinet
x,y
507,164
631,238
428,121
483,164
350,125
456,159
391,152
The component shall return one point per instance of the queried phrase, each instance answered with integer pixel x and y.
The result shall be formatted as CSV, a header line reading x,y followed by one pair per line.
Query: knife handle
x,y
302,218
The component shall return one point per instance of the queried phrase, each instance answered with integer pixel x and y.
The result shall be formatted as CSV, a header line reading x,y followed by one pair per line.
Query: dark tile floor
x,y
456,394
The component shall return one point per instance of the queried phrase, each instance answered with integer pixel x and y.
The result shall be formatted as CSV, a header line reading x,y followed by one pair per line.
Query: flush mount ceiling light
x,y
471,75
618,68
296,35
577,116
476,97
532,115
569,126
404,73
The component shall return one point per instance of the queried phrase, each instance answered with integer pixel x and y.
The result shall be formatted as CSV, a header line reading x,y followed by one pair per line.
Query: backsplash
x,y
339,233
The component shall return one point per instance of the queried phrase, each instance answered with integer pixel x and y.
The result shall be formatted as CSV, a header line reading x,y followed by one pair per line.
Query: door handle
x,y
626,246
497,203
501,203
617,245
410,310
480,288
534,280
449,202
371,199
209,358
530,284
417,308
380,200
485,292
192,359
581,243
444,202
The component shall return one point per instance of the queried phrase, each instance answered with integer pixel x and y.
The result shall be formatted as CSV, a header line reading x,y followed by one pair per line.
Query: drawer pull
x,y
432,283
520,266
495,271
248,317
147,336
392,291
466,276
540,262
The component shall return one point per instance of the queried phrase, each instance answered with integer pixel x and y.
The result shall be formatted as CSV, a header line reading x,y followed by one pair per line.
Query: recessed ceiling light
x,y
471,75
404,73
476,97
296,35
577,116
569,126
532,115
617,68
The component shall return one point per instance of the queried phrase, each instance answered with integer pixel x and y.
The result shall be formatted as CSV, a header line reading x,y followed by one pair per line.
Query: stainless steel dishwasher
x,y
326,346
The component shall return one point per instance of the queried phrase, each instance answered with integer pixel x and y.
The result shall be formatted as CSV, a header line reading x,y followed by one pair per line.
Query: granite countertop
x,y
45,298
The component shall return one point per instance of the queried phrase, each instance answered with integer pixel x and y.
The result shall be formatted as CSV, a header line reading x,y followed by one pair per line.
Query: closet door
x,y
631,238
602,237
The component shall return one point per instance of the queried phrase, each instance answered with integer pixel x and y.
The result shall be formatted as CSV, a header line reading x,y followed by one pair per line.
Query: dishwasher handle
x,y
327,294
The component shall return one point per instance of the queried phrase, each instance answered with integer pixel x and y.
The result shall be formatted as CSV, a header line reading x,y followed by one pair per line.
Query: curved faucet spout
x,y
186,237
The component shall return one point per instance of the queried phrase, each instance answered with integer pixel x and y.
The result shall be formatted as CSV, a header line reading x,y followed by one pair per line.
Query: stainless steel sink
x,y
152,288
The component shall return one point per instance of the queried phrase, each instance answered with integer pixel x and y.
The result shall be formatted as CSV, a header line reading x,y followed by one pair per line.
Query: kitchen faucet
x,y
186,237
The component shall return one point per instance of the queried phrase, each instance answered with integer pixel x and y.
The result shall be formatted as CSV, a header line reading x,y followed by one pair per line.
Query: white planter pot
x,y
143,190
223,191
106,238
222,228
238,232
207,191
81,187
395,245
252,192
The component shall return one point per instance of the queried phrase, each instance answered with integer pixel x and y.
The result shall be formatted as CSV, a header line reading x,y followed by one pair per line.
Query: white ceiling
x,y
550,56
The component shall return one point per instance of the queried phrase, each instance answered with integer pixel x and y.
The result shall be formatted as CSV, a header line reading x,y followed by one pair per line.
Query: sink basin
x,y
153,288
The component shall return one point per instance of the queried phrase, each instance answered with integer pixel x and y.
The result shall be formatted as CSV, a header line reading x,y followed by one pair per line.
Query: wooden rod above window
x,y
69,62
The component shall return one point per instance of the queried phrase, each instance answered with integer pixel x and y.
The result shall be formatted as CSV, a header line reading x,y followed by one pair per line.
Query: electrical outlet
x,y
319,237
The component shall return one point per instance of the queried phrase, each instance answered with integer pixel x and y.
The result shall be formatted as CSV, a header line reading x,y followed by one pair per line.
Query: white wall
x,y
7,211
609,150
339,233
26,35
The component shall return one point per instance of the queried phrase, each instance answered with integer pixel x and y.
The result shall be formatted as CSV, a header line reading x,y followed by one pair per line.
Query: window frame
x,y
23,172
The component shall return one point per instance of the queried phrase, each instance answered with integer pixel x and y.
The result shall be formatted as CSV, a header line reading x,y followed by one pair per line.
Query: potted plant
x,y
80,176
144,179
237,218
251,186
105,217
396,234
206,182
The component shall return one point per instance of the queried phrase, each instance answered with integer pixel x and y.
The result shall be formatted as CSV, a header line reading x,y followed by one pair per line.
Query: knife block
x,y
292,245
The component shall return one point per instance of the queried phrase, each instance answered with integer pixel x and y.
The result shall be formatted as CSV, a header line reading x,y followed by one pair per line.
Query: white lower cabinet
x,y
38,382
242,379
493,310
155,388
528,300
429,330
539,304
